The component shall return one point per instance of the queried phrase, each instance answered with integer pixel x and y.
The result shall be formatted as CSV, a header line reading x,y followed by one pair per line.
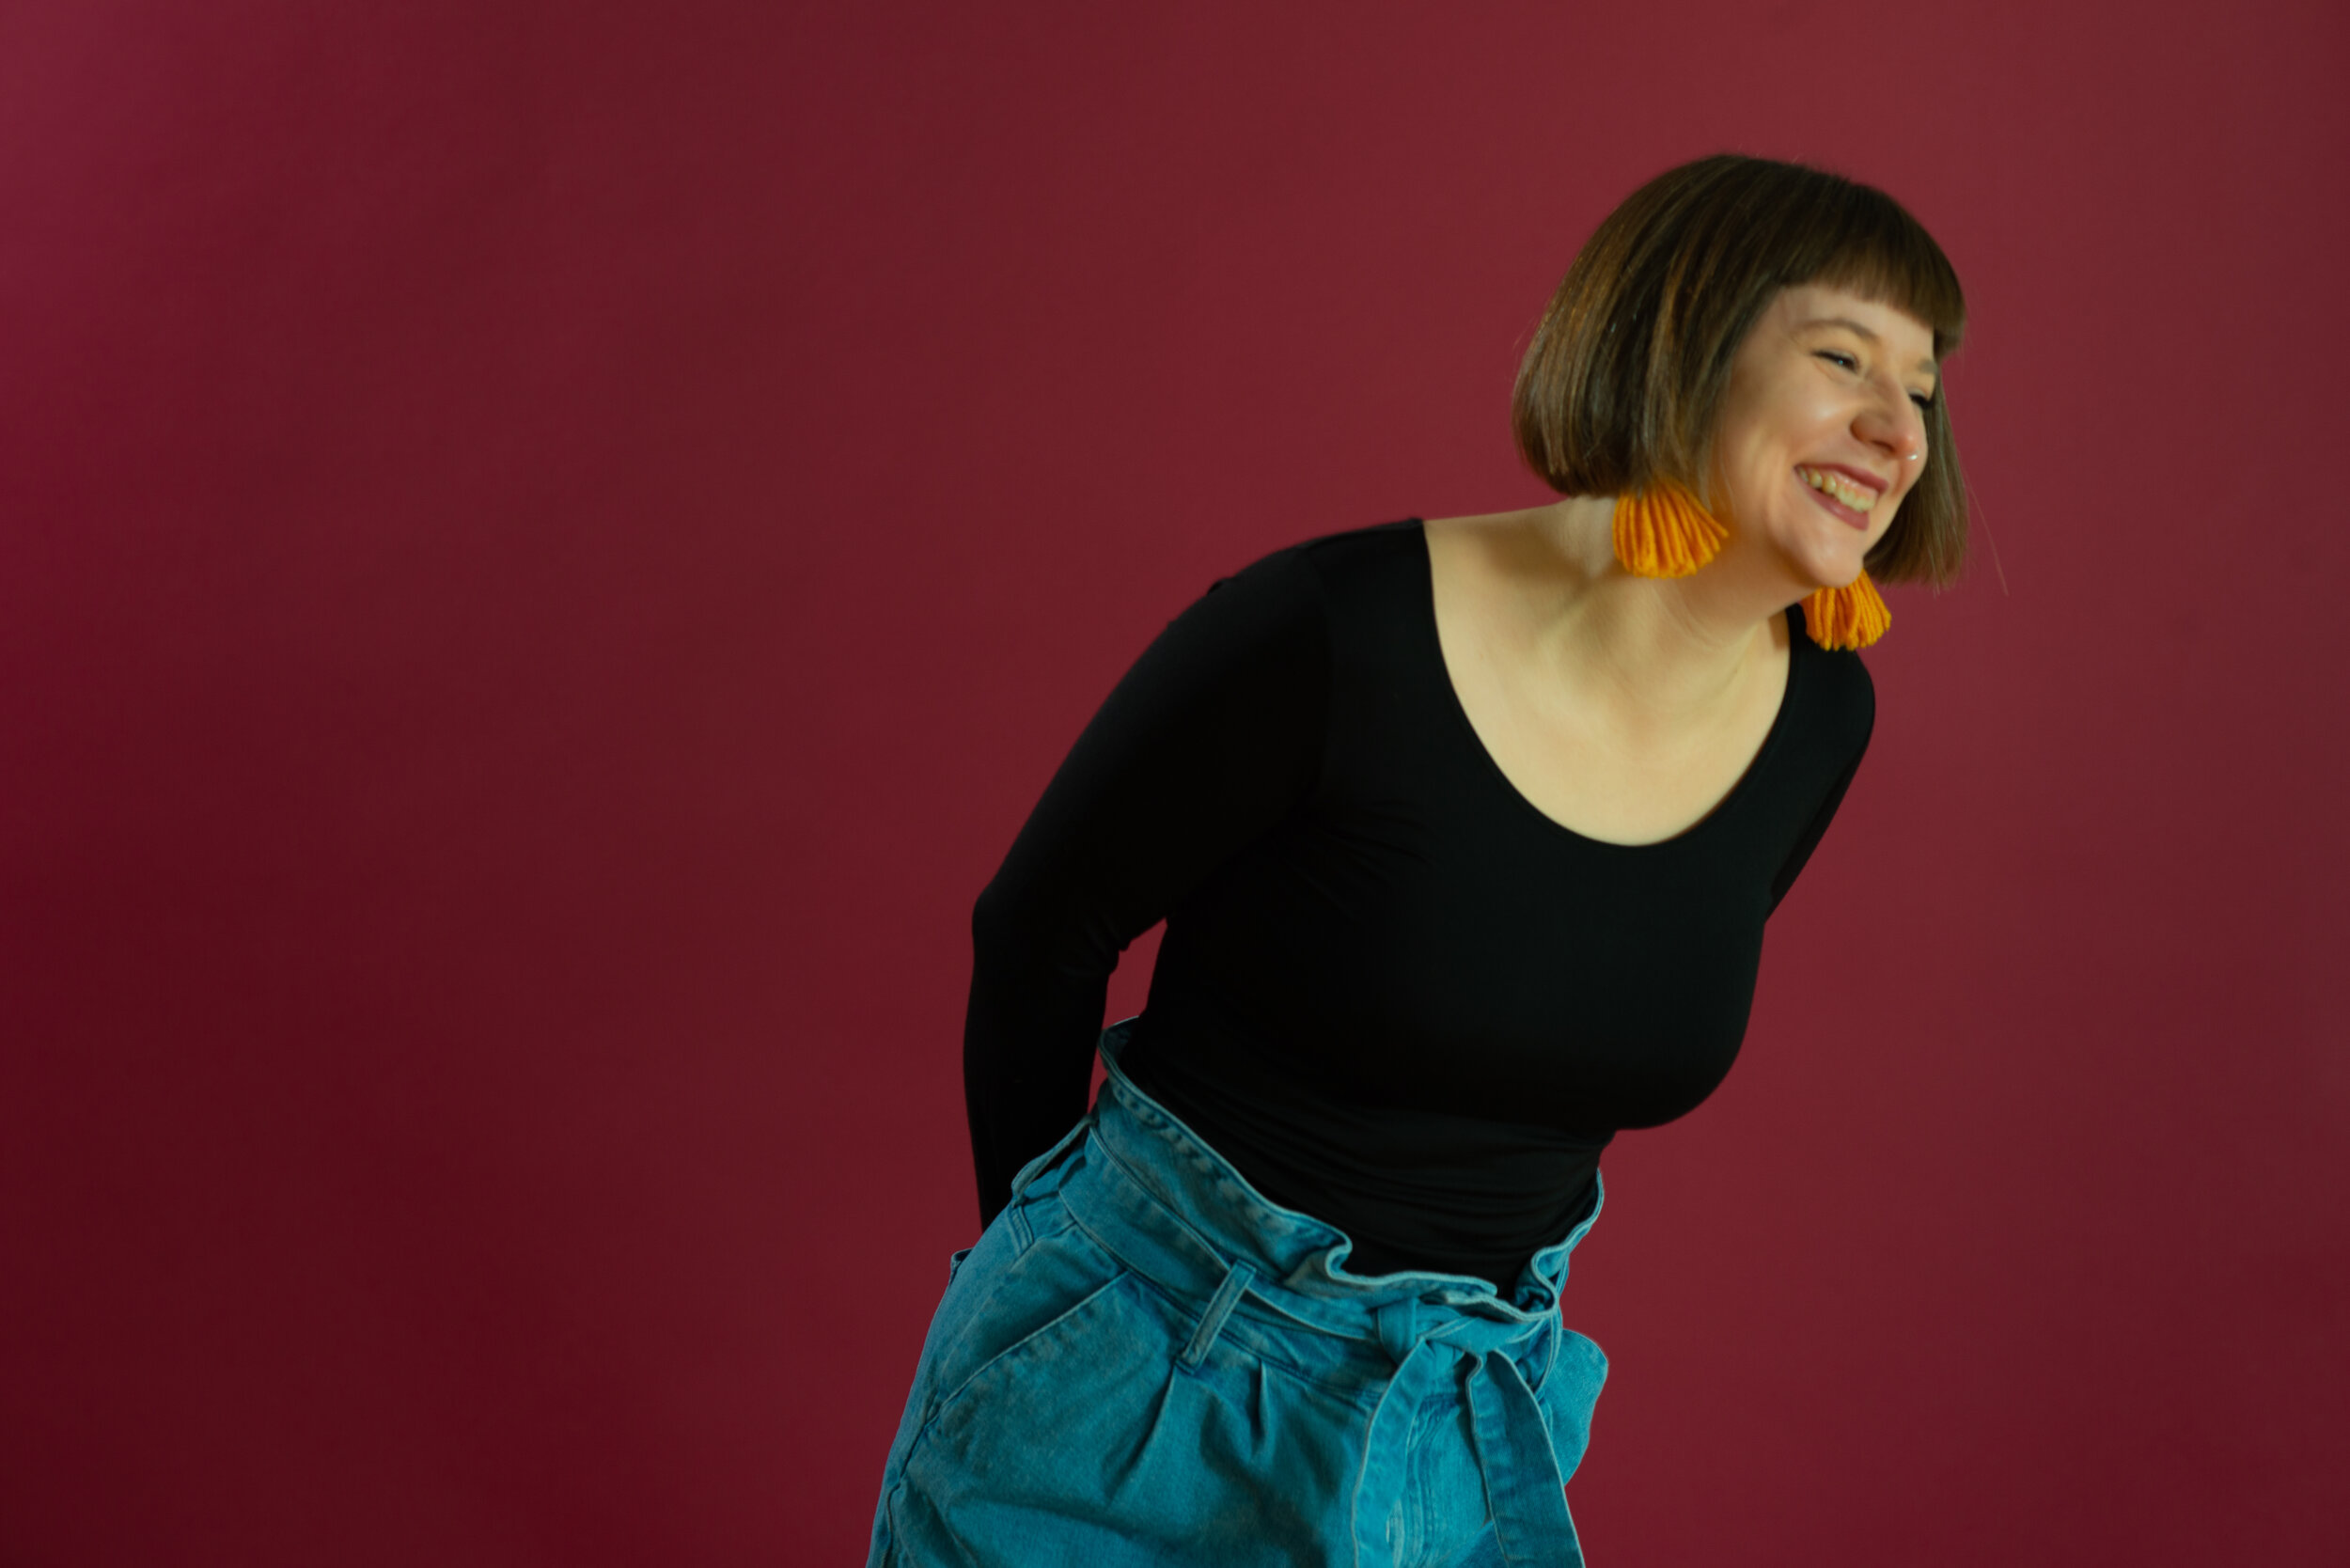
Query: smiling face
x,y
1823,431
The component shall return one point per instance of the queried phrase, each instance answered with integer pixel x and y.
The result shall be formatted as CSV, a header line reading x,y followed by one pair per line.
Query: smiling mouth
x,y
1847,498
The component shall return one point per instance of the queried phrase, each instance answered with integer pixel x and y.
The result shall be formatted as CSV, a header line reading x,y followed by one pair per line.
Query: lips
x,y
1848,497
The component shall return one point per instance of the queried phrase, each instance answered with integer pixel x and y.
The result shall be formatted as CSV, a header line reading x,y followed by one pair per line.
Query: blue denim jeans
x,y
1144,1361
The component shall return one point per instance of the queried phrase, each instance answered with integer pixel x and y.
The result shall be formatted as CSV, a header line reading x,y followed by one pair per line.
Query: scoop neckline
x,y
1799,650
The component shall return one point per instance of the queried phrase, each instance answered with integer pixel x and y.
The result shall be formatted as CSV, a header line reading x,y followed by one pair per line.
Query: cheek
x,y
1881,521
1764,495
1753,452
1917,473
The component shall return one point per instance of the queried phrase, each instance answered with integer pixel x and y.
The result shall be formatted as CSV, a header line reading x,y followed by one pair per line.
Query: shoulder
x,y
1333,555
1307,579
1378,570
1839,699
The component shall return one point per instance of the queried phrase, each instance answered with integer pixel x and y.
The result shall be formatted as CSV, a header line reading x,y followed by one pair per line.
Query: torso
x,y
1395,992
1576,757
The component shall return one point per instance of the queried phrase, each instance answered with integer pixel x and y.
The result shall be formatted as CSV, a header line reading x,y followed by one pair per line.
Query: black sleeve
x,y
1212,737
1817,828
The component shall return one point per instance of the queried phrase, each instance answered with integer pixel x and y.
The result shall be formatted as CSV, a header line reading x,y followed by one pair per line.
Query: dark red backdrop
x,y
545,550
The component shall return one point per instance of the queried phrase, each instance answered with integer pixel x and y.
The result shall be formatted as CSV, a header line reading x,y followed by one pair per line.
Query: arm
x,y
1212,737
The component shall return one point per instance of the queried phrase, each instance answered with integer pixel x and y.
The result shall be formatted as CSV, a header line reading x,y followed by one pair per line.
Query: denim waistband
x,y
1171,1209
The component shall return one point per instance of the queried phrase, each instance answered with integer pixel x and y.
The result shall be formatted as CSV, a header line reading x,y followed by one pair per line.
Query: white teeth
x,y
1840,487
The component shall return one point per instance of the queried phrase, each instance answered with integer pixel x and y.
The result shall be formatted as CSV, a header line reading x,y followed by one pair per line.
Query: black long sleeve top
x,y
1392,993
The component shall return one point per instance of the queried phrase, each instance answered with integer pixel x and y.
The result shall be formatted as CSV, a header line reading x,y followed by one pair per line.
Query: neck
x,y
1670,646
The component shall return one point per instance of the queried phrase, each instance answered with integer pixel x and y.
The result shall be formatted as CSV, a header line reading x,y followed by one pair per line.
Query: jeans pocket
x,y
1032,1430
1009,1286
954,1262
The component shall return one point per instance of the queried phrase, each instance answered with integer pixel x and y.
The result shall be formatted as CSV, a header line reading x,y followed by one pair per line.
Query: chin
x,y
1828,570
1824,560
1846,576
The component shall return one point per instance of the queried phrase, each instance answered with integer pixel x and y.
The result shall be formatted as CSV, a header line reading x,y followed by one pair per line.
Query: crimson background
x,y
546,551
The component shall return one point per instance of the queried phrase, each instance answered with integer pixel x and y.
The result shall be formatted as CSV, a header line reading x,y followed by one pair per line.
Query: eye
x,y
1836,357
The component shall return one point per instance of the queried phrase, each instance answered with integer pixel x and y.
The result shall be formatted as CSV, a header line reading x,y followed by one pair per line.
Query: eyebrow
x,y
1927,366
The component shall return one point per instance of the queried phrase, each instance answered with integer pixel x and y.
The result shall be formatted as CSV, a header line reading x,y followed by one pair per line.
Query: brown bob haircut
x,y
1624,380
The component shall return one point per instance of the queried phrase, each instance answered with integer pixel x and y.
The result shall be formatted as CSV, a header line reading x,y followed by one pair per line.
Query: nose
x,y
1891,423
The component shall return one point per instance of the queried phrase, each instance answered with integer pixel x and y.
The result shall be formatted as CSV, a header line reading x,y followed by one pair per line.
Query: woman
x,y
1465,832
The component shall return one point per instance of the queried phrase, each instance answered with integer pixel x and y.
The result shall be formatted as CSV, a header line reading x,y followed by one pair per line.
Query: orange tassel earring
x,y
1853,615
1666,532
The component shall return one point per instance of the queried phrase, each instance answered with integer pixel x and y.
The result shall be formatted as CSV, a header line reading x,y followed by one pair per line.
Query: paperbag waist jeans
x,y
1144,1361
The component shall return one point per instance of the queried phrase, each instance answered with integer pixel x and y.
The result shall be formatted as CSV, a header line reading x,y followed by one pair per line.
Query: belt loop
x,y
1220,1307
